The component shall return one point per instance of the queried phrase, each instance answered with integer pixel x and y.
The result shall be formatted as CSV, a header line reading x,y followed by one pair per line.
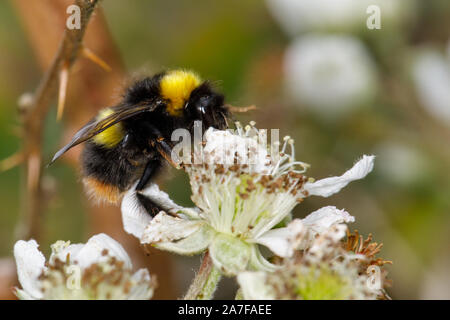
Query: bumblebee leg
x,y
159,142
166,152
151,207
149,171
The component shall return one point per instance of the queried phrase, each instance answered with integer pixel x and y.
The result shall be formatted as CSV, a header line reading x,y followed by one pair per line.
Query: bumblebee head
x,y
187,95
206,105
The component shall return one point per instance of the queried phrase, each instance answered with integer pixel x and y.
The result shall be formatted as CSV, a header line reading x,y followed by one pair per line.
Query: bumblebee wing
x,y
94,127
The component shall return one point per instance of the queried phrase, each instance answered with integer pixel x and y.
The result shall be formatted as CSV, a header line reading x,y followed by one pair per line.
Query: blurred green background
x,y
242,45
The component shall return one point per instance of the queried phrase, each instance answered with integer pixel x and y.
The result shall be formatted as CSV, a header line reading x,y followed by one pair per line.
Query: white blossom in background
x,y
401,163
299,16
98,270
431,75
324,271
239,206
330,74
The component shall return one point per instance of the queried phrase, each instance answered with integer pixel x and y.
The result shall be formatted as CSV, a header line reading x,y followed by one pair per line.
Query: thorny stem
x,y
205,282
34,121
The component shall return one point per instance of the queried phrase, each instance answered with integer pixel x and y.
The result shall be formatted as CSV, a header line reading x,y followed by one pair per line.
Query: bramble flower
x,y
339,65
97,270
402,163
327,270
241,204
300,16
431,75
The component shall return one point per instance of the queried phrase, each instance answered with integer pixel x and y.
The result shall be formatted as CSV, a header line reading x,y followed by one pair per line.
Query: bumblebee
x,y
126,145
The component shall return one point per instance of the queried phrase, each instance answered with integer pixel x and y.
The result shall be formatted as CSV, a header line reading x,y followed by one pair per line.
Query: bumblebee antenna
x,y
240,109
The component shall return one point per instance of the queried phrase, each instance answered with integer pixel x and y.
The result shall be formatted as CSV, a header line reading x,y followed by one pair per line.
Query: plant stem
x,y
205,282
34,121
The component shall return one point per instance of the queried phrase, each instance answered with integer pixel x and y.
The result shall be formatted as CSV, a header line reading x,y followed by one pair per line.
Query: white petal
x,y
283,241
190,213
160,198
322,244
134,216
337,233
329,186
195,243
93,250
258,262
23,295
253,285
322,219
30,264
143,290
165,228
64,250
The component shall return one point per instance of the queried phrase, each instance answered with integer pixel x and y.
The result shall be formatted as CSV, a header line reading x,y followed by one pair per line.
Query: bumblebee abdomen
x,y
107,172
111,136
101,191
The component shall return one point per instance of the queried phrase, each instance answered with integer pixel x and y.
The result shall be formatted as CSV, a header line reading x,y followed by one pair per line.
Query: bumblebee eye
x,y
203,104
126,140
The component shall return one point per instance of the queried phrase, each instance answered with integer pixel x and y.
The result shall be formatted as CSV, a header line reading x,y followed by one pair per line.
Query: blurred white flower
x,y
431,74
239,208
99,269
401,163
331,74
324,271
297,16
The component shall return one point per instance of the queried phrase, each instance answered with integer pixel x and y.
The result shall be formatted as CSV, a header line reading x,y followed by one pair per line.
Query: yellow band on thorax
x,y
176,87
